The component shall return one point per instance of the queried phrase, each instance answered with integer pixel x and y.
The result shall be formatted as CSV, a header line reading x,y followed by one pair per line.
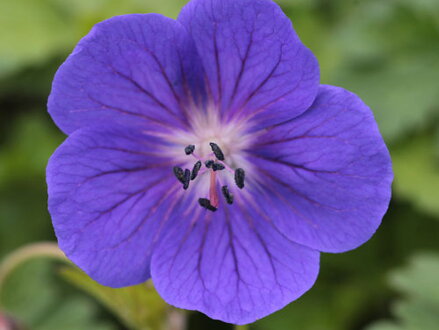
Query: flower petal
x,y
255,63
109,193
230,267
326,175
132,69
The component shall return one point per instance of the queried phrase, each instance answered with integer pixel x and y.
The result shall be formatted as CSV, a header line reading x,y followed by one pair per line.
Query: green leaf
x,y
419,279
32,294
35,30
31,31
402,93
389,58
31,141
138,307
419,309
416,168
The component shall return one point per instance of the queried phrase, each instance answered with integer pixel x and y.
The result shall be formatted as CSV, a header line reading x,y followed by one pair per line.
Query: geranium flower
x,y
204,154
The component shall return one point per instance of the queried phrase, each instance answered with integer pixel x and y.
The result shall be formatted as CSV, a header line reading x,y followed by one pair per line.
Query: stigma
x,y
215,167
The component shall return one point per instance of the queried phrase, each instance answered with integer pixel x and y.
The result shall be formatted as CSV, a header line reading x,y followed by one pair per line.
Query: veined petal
x,y
326,175
110,191
230,266
132,69
255,63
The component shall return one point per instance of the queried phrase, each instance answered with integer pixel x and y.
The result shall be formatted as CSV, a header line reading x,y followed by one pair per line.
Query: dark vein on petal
x,y
241,71
217,63
263,82
122,170
291,189
311,170
127,112
148,216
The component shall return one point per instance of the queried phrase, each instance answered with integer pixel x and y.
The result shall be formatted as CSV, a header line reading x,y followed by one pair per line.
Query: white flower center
x,y
233,140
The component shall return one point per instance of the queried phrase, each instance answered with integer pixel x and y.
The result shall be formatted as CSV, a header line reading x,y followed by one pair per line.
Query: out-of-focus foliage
x,y
416,167
419,306
138,307
35,30
34,295
23,158
29,145
390,59
385,51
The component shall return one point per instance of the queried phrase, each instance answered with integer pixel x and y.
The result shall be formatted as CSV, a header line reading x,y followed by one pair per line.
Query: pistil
x,y
213,194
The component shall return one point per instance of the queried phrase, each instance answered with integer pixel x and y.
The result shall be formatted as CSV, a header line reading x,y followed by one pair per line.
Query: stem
x,y
242,327
36,250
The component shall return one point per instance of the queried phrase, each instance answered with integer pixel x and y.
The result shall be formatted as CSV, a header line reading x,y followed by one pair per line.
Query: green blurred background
x,y
387,51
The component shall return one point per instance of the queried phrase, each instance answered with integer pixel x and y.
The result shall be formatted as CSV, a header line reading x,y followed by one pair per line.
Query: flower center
x,y
212,165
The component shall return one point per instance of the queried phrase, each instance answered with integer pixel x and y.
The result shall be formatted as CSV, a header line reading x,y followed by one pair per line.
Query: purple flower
x,y
204,154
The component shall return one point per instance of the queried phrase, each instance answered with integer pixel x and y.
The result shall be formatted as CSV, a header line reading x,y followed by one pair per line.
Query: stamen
x,y
204,202
189,149
217,151
239,178
227,195
195,170
218,167
186,178
209,163
179,174
213,165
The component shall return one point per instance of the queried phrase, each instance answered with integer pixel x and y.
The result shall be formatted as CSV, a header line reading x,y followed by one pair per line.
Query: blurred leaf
x,y
428,8
419,309
31,141
31,294
419,280
31,30
77,313
23,213
390,60
34,30
403,93
416,168
384,325
139,306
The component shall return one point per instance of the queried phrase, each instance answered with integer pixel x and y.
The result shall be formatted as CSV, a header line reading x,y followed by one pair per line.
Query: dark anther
x,y
189,149
227,195
179,174
195,170
186,178
218,167
239,178
217,151
209,163
204,202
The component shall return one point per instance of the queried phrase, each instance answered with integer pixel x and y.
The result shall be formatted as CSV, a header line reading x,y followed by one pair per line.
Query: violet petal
x,y
326,175
255,63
